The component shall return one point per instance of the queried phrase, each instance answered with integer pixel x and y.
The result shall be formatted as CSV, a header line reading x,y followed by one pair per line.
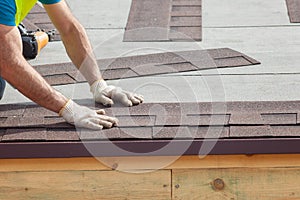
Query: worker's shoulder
x,y
7,12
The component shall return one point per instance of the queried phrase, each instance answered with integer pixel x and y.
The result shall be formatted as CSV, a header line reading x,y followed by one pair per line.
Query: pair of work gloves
x,y
107,95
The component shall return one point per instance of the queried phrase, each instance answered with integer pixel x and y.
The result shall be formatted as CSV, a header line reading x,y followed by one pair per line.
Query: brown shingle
x,y
38,18
136,120
144,15
280,118
56,122
185,132
293,10
177,33
286,131
232,62
59,79
20,121
178,132
186,2
12,110
246,118
62,135
24,134
136,132
160,63
251,131
185,21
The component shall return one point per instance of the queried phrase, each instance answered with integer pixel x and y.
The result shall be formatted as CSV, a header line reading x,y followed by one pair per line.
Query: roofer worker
x,y
19,73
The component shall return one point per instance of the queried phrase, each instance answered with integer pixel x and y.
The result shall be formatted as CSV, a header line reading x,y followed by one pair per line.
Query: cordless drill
x,y
34,41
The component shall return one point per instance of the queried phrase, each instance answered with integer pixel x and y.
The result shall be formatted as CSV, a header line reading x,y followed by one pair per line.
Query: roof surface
x,y
260,29
235,128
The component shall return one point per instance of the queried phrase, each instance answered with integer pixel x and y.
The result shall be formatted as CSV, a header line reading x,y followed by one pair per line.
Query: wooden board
x,y
235,184
150,162
85,185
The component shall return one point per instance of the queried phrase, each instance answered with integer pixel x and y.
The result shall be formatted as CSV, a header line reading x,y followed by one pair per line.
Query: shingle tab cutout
x,y
38,19
147,65
294,10
164,20
28,131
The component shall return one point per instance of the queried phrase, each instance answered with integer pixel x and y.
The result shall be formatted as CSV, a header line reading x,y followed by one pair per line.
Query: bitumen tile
x,y
24,134
12,110
280,115
279,118
150,64
59,79
286,131
57,68
248,118
190,132
37,9
156,123
178,132
177,32
136,132
35,111
56,122
30,25
232,62
166,120
186,3
165,21
136,120
2,132
38,19
183,11
62,135
293,10
118,73
251,131
210,132
144,14
185,21
20,121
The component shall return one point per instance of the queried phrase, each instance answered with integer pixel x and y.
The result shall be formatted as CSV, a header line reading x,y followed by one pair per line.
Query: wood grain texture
x,y
233,184
151,162
85,185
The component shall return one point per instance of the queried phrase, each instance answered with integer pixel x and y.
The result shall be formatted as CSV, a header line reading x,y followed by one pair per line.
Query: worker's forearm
x,y
32,85
75,40
80,51
15,69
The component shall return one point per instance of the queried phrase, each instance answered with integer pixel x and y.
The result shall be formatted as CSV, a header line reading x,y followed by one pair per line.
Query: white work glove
x,y
107,94
84,117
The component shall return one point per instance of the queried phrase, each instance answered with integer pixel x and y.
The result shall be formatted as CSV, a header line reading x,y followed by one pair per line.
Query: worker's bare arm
x,y
75,40
81,54
15,69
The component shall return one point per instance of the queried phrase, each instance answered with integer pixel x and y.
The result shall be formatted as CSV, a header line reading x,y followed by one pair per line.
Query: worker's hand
x,y
108,94
84,117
